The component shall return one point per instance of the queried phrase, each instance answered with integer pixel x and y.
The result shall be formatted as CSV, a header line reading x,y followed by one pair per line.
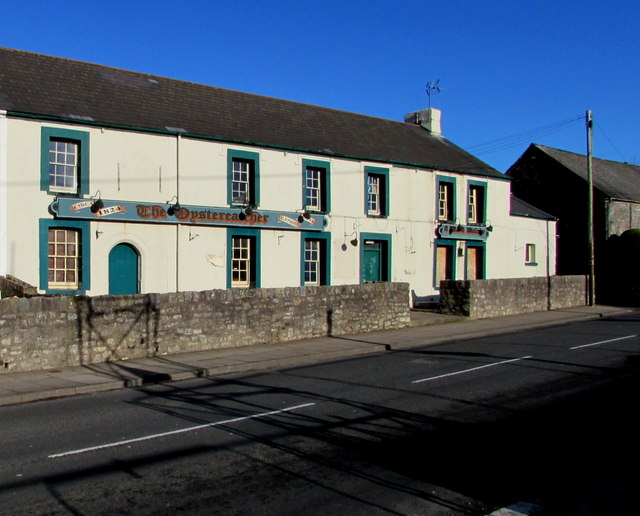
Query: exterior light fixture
x,y
173,208
354,242
97,205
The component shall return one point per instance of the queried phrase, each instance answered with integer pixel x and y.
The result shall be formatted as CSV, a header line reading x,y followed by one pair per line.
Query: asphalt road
x,y
544,416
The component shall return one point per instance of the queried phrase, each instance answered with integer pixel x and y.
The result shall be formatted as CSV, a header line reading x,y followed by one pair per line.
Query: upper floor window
x,y
316,186
63,165
377,192
243,178
476,204
64,161
446,199
241,182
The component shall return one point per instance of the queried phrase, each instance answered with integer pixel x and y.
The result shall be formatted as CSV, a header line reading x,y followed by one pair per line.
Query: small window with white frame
x,y
312,262
313,188
241,182
373,195
530,254
446,200
241,262
63,165
475,206
377,192
316,186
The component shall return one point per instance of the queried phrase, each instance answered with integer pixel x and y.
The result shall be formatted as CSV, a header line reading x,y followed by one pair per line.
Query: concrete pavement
x,y
426,328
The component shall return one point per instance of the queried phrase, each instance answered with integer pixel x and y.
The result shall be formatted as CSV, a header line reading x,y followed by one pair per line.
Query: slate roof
x,y
520,208
615,179
64,89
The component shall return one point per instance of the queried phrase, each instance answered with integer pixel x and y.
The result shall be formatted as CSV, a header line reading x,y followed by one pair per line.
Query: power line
x,y
518,139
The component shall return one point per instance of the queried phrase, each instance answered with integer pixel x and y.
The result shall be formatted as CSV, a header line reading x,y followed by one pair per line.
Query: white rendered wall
x,y
134,166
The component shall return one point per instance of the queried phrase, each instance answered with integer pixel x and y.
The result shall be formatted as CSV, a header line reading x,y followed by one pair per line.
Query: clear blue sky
x,y
512,72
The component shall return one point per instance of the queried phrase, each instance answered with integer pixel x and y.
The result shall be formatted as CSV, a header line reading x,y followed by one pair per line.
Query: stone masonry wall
x,y
481,299
60,331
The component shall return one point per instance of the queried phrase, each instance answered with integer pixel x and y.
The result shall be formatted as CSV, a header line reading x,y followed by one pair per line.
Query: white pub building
x,y
117,182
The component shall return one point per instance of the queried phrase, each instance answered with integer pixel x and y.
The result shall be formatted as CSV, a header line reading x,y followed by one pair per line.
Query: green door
x,y
372,262
124,266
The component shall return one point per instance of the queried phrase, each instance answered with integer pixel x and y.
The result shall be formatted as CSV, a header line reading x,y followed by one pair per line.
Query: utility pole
x,y
590,252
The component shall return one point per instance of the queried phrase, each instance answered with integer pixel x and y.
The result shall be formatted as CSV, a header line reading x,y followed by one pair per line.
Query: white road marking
x,y
180,431
603,342
469,370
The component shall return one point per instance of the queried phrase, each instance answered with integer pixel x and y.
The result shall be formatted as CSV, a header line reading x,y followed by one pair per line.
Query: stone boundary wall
x,y
480,299
11,286
47,332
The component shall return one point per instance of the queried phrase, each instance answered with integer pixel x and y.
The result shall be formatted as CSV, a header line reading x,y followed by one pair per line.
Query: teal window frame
x,y
383,174
439,242
325,263
483,213
325,192
384,237
255,235
454,211
478,245
254,180
85,239
79,137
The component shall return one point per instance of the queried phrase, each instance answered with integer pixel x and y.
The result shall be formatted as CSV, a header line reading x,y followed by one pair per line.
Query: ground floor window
x,y
64,256
315,268
243,257
312,262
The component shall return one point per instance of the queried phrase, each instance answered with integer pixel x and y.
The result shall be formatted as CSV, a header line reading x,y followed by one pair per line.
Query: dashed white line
x,y
603,342
472,369
180,431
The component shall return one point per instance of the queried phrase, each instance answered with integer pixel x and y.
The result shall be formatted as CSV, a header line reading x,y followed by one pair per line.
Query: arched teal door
x,y
124,270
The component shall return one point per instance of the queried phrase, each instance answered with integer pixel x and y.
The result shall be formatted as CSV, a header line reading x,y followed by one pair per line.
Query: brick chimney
x,y
427,118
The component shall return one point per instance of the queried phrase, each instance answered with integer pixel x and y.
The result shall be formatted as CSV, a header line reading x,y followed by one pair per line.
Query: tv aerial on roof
x,y
433,88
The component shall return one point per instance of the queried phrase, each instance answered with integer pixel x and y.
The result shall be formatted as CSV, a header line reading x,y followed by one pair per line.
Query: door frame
x,y
138,266
385,240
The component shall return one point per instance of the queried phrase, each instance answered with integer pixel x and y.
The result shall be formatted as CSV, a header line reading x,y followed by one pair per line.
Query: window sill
x,y
531,264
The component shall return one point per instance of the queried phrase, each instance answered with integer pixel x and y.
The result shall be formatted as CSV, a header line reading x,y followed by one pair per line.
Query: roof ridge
x,y
584,155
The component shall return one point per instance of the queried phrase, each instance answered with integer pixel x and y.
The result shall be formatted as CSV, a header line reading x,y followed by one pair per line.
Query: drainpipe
x,y
4,185
178,200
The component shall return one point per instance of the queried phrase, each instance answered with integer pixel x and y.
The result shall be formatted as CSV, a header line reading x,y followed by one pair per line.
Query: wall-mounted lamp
x,y
98,204
305,215
174,207
354,242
